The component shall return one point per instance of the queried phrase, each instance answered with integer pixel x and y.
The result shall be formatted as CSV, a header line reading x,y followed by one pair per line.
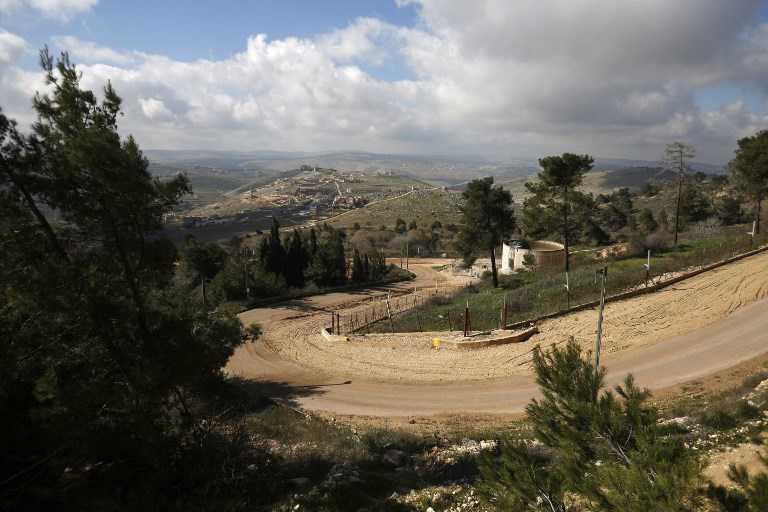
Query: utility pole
x,y
406,255
567,291
603,273
467,320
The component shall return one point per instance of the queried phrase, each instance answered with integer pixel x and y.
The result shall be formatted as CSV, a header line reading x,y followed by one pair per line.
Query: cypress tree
x,y
358,273
275,261
296,262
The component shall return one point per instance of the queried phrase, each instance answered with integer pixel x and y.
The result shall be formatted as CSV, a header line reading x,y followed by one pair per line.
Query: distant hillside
x,y
422,206
212,172
601,181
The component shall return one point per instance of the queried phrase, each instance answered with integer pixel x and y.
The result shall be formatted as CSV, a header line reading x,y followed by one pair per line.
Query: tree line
x,y
557,207
315,258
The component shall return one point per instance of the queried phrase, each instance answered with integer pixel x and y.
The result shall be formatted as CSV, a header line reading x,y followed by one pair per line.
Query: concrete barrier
x,y
332,337
504,339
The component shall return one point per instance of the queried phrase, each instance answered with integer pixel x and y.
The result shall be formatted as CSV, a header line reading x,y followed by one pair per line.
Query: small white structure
x,y
545,254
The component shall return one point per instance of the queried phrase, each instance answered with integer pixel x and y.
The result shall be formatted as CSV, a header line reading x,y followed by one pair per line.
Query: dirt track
x,y
689,330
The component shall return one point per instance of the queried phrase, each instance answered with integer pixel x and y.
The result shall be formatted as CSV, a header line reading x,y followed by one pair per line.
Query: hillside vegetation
x,y
422,206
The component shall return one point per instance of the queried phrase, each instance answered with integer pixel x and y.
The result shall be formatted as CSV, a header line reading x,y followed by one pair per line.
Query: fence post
x,y
389,313
467,324
504,313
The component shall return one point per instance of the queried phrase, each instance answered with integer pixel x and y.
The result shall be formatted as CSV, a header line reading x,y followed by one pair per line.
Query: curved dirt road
x,y
734,331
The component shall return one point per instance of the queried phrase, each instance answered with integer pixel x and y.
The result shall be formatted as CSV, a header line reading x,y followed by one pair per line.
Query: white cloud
x,y
11,47
154,109
86,51
496,77
63,10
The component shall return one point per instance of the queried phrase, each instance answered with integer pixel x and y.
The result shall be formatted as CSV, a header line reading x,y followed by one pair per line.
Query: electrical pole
x,y
603,273
406,255
567,291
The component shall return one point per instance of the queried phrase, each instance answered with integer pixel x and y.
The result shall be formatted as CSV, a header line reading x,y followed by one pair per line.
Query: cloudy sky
x,y
500,78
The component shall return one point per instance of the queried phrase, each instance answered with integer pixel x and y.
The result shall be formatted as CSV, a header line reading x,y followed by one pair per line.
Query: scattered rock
x,y
395,458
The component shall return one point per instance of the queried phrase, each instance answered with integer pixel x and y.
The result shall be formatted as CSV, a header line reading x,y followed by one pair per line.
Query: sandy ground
x,y
745,454
686,333
292,331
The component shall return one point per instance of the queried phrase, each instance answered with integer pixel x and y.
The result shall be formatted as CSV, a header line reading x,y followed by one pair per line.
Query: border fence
x,y
387,307
551,293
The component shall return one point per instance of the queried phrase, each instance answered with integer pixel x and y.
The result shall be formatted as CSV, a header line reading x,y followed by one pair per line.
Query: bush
x,y
510,282
658,241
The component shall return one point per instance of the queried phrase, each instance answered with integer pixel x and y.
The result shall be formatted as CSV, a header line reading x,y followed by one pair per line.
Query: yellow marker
x,y
436,343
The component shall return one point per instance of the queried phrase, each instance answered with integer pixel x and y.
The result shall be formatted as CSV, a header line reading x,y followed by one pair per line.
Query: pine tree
x,y
312,242
550,209
593,449
487,219
647,222
664,220
296,262
101,345
275,260
358,272
749,170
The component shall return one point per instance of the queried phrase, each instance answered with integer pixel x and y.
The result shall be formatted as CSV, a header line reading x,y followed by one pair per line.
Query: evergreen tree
x,y
276,256
695,206
296,262
101,350
593,449
647,222
729,211
312,242
664,220
205,260
329,266
358,271
749,170
264,252
551,204
487,219
367,268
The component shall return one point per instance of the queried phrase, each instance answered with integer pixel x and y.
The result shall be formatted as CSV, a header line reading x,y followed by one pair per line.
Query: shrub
x,y
658,241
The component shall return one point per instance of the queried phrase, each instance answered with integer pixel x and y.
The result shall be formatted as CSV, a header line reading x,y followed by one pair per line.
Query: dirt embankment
x,y
291,330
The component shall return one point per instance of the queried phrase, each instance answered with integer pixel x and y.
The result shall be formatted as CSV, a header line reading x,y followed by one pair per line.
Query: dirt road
x,y
692,329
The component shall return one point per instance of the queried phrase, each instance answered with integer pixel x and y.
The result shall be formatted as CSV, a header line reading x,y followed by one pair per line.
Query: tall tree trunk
x,y
677,207
566,231
493,268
